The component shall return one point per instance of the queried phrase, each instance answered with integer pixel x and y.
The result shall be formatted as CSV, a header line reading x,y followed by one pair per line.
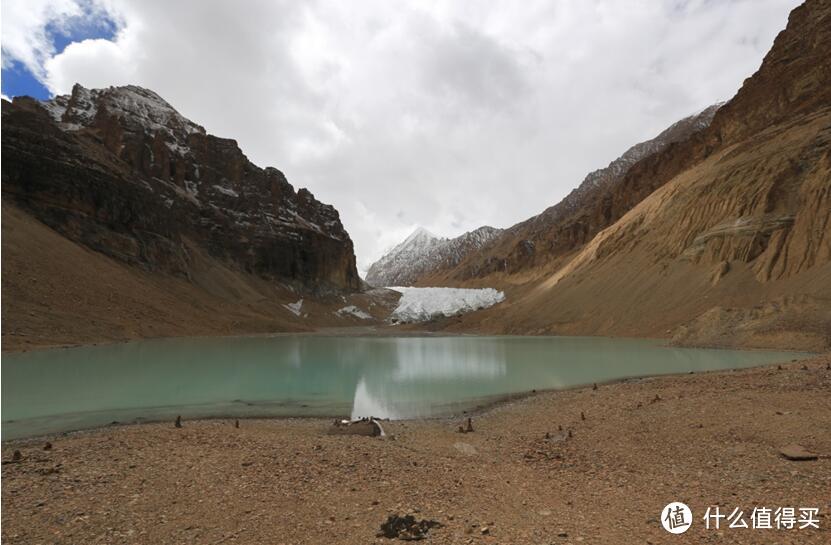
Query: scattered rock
x,y
582,415
719,272
16,456
406,528
47,446
468,428
594,386
797,453
178,422
365,426
465,448
236,423
485,530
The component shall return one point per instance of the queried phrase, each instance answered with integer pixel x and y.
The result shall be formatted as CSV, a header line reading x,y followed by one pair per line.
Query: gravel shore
x,y
577,466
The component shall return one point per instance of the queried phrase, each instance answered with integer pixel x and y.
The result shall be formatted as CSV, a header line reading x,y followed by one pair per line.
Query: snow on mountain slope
x,y
422,252
611,174
423,304
555,232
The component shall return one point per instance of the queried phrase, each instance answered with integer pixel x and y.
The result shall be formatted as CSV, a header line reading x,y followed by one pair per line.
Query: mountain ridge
x,y
524,244
125,174
422,252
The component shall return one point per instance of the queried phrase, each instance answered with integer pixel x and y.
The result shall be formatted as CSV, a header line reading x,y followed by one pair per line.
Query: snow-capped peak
x,y
423,252
420,238
420,232
142,109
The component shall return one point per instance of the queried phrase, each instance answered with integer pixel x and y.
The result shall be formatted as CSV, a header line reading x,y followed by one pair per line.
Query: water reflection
x,y
48,391
449,359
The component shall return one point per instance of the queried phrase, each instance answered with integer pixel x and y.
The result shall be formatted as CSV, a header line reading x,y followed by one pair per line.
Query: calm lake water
x,y
398,377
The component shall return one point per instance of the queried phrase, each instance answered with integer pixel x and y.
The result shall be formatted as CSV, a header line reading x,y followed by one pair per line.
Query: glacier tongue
x,y
423,304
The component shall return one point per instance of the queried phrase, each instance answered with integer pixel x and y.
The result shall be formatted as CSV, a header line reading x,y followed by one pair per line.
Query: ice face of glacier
x,y
423,304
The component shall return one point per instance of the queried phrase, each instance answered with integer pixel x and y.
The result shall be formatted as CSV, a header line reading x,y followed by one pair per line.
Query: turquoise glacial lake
x,y
61,390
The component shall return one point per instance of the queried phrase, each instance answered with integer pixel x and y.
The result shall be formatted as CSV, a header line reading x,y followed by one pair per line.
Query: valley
x,y
197,350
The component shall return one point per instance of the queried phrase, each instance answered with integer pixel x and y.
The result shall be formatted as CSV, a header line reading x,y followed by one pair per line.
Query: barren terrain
x,y
58,293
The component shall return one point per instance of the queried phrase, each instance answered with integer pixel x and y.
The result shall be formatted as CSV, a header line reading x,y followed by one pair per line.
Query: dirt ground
x,y
706,440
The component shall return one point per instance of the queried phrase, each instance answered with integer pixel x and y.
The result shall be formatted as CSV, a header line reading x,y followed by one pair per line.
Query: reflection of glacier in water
x,y
449,358
416,384
365,405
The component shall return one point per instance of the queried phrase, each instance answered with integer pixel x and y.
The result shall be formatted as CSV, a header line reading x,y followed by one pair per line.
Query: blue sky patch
x,y
18,80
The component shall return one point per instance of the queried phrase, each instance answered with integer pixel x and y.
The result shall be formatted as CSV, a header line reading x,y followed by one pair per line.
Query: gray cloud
x,y
448,115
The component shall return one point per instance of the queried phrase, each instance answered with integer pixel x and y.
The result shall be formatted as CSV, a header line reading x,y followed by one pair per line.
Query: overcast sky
x,y
444,114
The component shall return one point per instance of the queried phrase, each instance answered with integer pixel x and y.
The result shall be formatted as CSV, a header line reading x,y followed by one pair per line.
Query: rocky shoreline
x,y
583,465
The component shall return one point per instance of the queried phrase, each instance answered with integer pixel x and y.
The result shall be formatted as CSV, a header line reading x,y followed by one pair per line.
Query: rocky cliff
x,y
720,238
422,254
121,172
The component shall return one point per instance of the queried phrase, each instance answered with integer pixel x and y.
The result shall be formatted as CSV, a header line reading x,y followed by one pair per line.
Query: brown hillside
x,y
58,292
724,238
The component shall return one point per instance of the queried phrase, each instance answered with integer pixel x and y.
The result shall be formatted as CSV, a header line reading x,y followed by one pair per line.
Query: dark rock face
x,y
120,171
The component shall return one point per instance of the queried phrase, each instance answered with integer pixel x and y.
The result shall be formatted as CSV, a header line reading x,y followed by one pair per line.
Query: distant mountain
x,y
120,171
423,252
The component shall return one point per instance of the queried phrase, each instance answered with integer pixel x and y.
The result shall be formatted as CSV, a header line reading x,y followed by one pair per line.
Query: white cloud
x,y
24,30
447,114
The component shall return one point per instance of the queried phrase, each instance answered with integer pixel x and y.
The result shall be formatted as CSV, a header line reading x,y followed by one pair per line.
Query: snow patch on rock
x,y
423,304
226,191
295,308
352,310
